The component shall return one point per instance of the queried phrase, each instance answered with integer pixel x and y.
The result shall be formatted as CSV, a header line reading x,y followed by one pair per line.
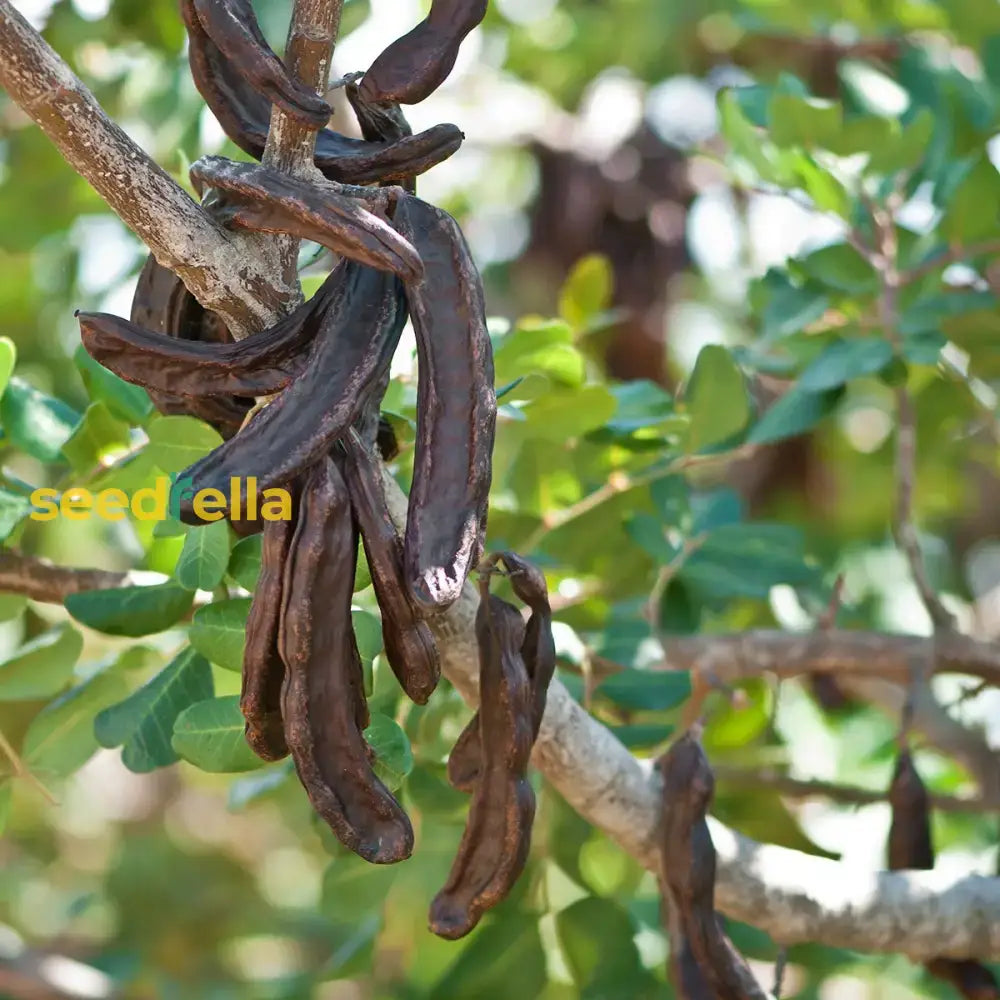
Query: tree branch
x,y
212,262
42,581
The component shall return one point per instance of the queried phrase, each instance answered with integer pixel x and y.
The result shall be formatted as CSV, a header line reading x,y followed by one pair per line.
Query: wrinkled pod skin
x,y
497,837
162,304
456,409
264,200
343,378
687,861
415,65
232,27
259,365
245,115
409,643
539,654
322,697
911,847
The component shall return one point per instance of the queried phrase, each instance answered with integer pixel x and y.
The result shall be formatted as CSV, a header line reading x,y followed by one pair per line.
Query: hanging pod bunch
x,y
298,407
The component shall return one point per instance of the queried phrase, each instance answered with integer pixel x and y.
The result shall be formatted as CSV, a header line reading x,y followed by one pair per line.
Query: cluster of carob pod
x,y
322,372
704,964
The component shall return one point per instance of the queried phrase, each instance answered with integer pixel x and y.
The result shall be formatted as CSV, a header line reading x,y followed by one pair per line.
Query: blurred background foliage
x,y
679,209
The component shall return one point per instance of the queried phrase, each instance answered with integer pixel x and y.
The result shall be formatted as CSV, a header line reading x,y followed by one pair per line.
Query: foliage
x,y
620,491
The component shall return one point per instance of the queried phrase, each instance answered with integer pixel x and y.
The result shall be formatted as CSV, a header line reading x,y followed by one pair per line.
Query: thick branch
x,y
181,236
42,581
791,895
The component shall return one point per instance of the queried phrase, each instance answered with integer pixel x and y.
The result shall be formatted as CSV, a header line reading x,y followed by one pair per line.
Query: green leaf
x,y
13,510
219,632
841,268
652,690
205,556
41,667
640,404
244,562
128,402
804,121
788,309
60,739
845,360
210,735
716,399
596,939
131,611
6,793
34,422
142,724
562,414
352,888
11,605
542,347
795,413
8,358
177,442
642,736
586,293
649,534
971,215
98,435
393,756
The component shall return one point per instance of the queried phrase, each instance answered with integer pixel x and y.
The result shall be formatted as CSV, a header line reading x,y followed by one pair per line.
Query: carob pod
x,y
245,117
497,837
262,364
345,371
456,409
409,644
265,200
911,847
687,859
323,691
415,65
539,653
163,305
263,668
232,26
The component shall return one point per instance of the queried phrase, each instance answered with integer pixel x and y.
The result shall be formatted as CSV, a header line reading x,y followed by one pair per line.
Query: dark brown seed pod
x,y
262,364
263,668
494,847
539,653
687,858
456,409
414,66
910,844
163,305
324,688
409,644
267,201
245,115
232,26
344,374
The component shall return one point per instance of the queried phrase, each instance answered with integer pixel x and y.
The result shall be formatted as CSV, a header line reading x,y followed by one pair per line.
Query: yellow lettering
x,y
45,500
252,498
111,505
76,504
159,494
209,504
234,497
277,505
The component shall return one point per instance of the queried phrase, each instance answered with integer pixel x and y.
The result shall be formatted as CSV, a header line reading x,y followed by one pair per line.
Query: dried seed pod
x,y
409,644
245,115
163,305
261,199
261,364
324,688
414,66
539,654
494,847
911,847
345,372
456,409
687,858
232,27
910,844
263,668
380,121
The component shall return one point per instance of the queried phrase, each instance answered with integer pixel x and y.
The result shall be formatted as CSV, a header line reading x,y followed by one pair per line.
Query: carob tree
x,y
322,371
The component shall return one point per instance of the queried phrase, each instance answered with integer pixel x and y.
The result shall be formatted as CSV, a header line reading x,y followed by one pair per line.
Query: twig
x,y
622,482
953,255
21,770
780,964
797,788
42,581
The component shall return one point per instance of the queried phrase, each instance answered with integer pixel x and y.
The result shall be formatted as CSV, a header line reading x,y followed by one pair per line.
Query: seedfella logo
x,y
162,500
